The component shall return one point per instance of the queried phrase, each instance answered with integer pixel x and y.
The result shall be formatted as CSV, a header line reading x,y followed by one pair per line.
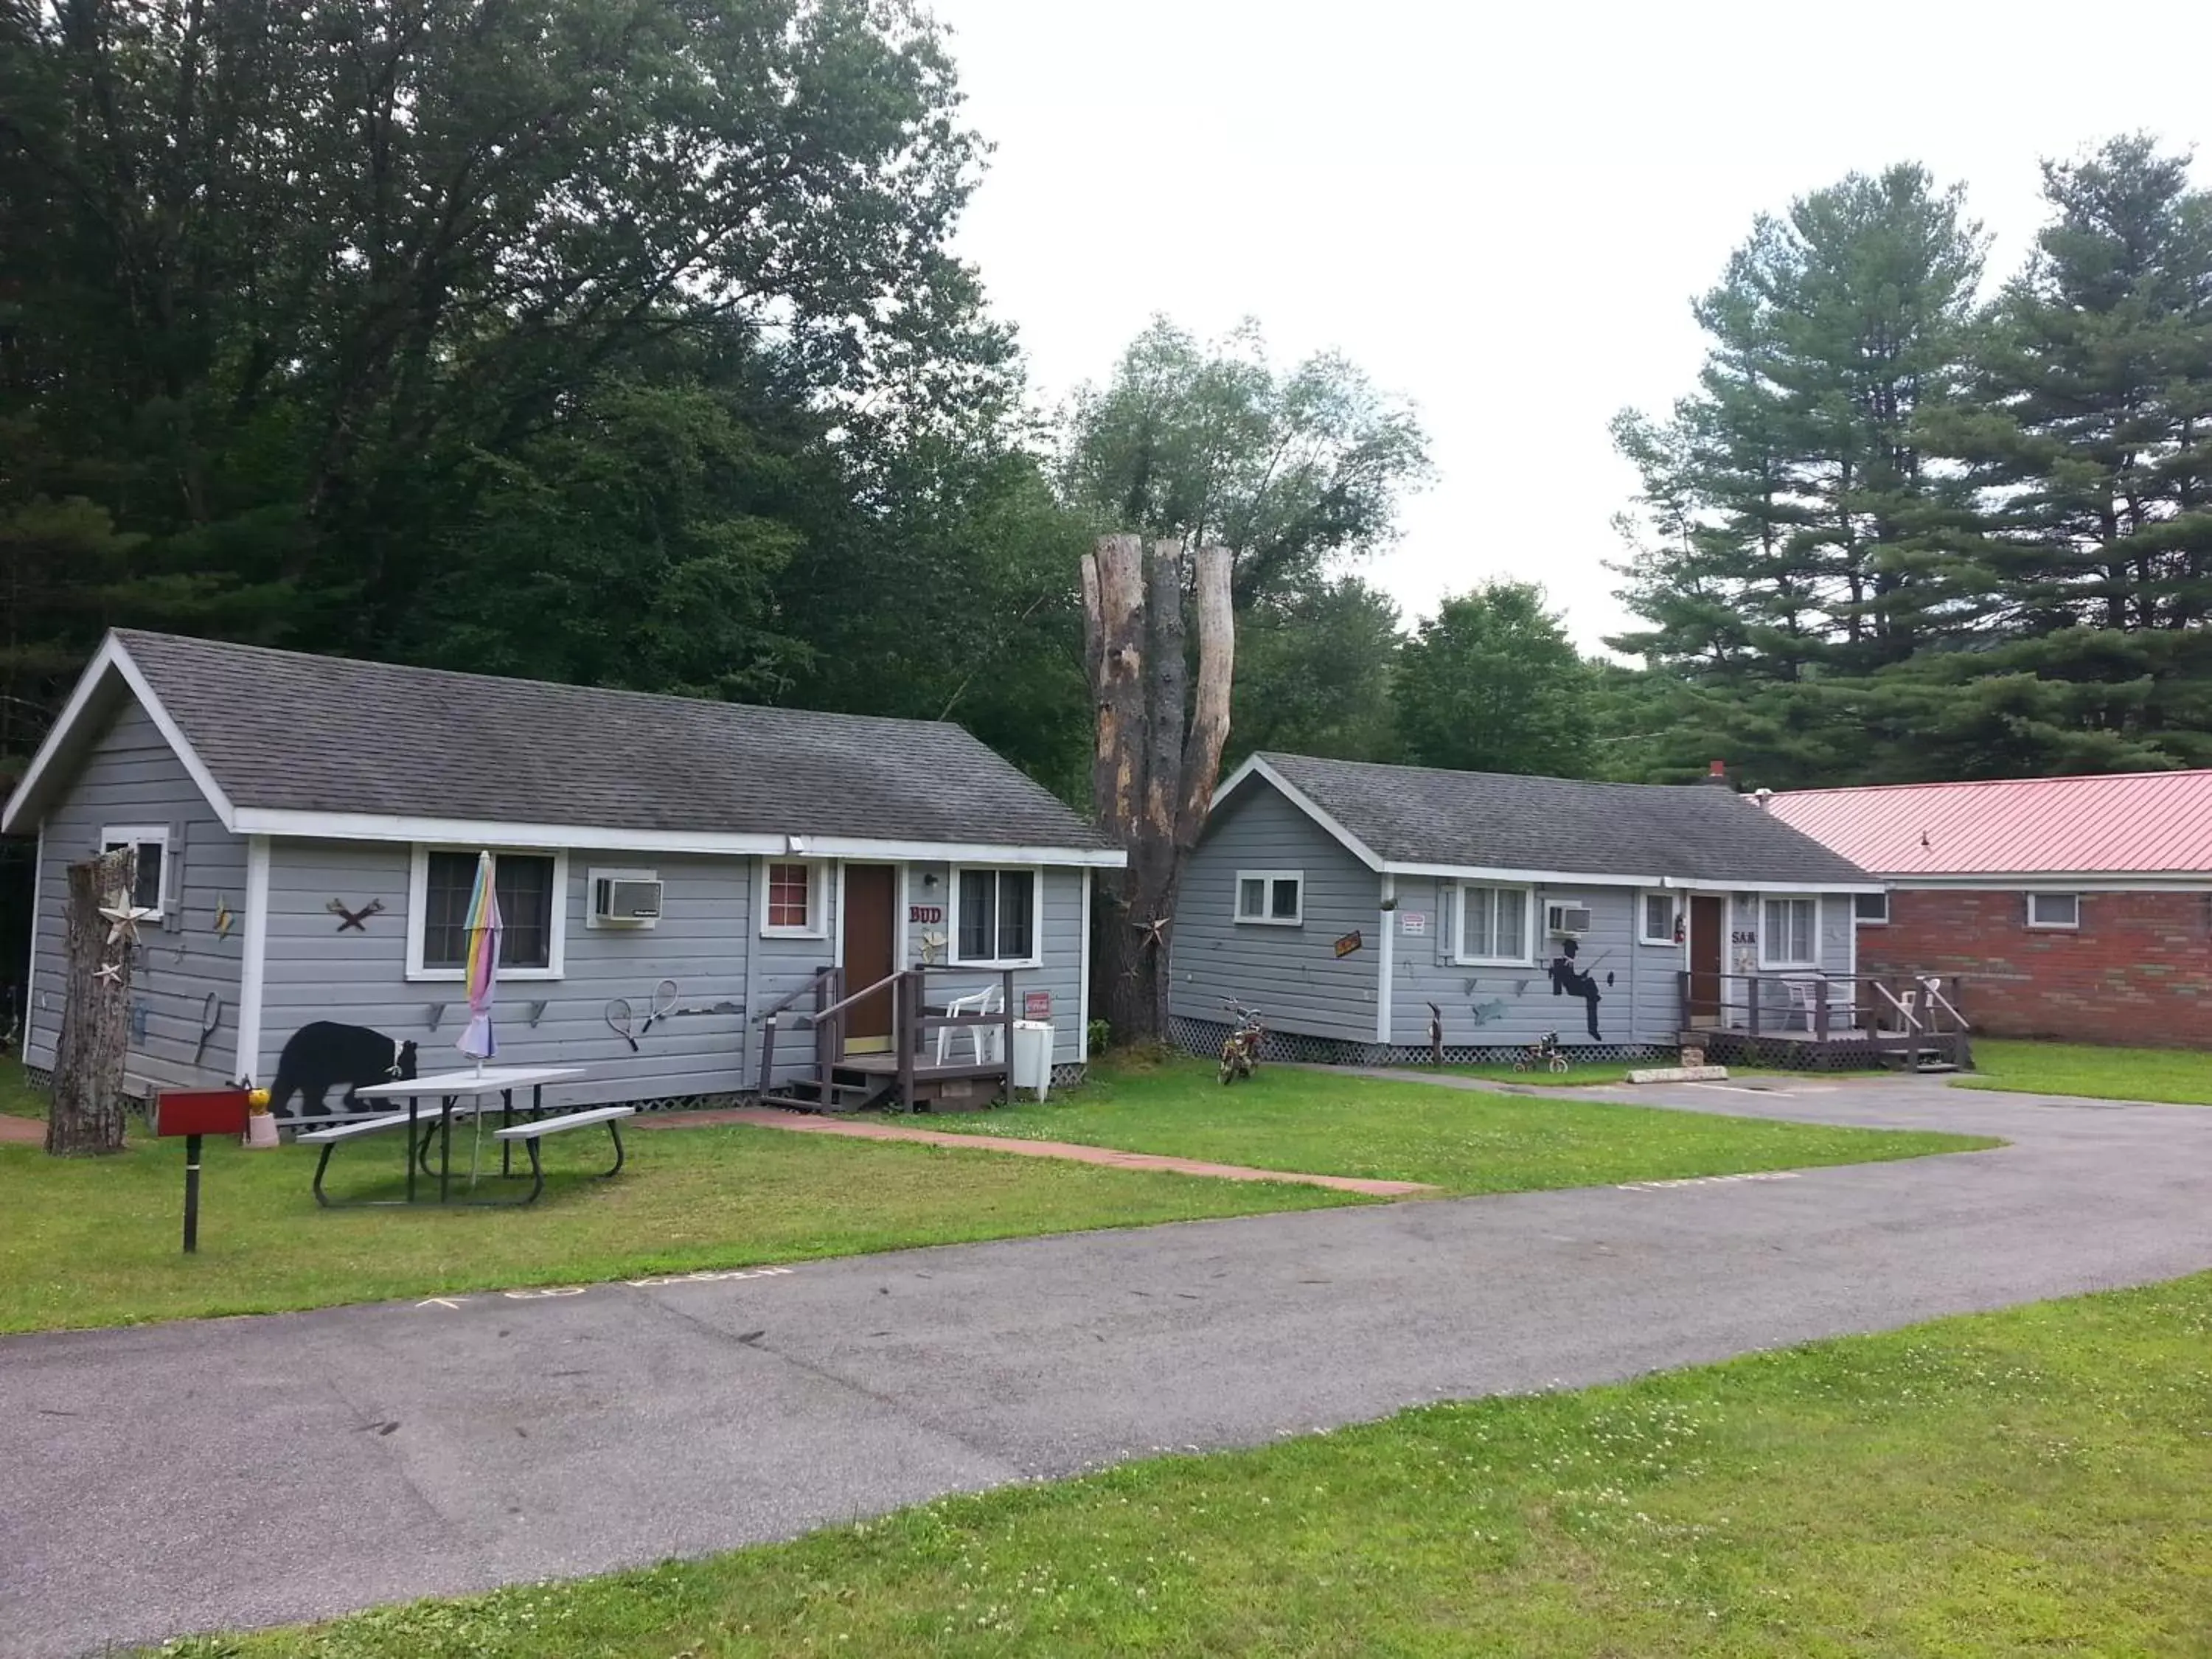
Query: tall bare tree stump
x,y
86,1115
1158,751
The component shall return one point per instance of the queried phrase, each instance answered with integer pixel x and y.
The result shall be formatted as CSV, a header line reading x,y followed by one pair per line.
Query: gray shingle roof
x,y
283,731
1494,820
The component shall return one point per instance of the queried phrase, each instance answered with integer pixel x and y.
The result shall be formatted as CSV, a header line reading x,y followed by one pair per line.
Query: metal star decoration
x,y
123,919
110,971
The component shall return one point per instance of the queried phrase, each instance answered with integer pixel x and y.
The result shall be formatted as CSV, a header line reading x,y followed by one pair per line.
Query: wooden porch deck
x,y
1806,1020
838,1081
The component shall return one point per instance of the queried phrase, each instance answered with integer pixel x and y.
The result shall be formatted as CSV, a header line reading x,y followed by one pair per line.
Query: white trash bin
x,y
1033,1055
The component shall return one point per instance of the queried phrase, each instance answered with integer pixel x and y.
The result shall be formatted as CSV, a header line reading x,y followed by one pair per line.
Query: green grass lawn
x,y
95,1240
2182,1076
2031,1481
1462,1141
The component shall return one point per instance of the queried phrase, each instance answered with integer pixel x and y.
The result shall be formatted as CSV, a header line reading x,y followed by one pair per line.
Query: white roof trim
x,y
492,832
111,656
1359,848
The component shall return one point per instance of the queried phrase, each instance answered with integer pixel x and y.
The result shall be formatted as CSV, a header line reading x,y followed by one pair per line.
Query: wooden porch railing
x,y
911,1025
1907,1013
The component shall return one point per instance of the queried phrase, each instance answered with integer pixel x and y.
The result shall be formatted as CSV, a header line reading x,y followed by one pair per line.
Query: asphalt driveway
x,y
248,1471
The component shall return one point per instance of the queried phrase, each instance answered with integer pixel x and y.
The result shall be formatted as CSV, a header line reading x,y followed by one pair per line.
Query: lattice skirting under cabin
x,y
1204,1037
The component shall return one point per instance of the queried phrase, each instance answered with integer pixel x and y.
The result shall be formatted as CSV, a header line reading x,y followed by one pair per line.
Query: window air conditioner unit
x,y
615,899
1566,921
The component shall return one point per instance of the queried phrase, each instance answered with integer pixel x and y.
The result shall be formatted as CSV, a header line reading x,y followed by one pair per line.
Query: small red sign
x,y
1036,1005
200,1112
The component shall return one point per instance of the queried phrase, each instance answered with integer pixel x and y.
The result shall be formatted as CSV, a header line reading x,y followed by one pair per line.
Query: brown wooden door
x,y
871,927
1708,921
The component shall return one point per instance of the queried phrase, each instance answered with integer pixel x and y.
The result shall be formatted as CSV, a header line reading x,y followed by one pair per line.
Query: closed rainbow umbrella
x,y
477,1040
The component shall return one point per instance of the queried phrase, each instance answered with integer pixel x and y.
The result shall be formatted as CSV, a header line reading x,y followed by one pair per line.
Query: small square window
x,y
1790,937
1271,897
994,914
794,901
523,882
149,884
1870,909
1657,919
1494,925
2054,910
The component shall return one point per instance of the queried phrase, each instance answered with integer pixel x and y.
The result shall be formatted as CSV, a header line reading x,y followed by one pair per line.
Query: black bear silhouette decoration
x,y
326,1053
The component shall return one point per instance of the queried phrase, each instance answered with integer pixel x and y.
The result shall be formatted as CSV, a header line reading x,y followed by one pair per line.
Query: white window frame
x,y
1036,957
818,893
1269,878
1644,935
2073,927
1528,921
135,835
418,905
592,920
1766,957
1882,920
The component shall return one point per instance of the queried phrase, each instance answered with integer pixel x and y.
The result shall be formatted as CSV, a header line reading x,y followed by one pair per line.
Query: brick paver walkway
x,y
770,1117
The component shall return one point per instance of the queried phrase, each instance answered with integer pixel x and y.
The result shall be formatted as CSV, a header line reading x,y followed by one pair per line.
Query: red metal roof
x,y
2127,822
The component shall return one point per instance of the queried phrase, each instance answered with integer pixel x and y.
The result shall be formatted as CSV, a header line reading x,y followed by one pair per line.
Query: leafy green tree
x,y
1492,683
1313,672
1293,471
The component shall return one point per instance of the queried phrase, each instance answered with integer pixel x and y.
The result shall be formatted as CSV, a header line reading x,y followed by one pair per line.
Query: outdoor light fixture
x,y
929,879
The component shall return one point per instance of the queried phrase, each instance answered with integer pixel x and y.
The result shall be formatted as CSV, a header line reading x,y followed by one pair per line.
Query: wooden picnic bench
x,y
465,1094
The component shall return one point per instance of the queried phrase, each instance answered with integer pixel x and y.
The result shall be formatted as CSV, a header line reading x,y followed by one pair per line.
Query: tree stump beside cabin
x,y
1157,757
87,1112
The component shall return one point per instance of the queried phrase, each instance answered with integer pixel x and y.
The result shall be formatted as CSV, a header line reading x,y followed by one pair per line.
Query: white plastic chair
x,y
1804,998
986,1037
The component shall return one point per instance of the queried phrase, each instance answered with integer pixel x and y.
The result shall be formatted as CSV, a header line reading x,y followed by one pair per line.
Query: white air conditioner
x,y
624,899
1566,921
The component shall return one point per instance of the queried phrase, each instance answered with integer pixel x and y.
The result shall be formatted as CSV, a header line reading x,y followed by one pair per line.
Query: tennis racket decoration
x,y
211,1016
619,1020
664,1004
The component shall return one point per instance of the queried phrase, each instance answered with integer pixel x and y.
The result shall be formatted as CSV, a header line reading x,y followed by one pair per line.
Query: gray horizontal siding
x,y
708,941
1292,974
131,776
1061,947
359,977
1484,1004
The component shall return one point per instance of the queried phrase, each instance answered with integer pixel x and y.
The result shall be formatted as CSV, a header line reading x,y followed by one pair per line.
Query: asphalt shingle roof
x,y
283,731
1495,820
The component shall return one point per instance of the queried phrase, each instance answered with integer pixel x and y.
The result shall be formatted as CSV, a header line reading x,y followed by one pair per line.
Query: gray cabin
x,y
703,900
1351,903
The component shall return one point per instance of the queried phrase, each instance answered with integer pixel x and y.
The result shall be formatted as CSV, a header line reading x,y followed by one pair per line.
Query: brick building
x,y
2072,907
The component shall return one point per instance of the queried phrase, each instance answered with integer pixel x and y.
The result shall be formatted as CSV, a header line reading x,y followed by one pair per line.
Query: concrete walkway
x,y
233,1472
770,1117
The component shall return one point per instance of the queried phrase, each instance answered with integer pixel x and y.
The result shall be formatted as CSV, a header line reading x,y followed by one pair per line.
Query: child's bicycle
x,y
1240,1049
1543,1055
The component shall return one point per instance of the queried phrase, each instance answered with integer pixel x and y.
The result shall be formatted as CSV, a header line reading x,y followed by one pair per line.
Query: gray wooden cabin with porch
x,y
1355,905
307,828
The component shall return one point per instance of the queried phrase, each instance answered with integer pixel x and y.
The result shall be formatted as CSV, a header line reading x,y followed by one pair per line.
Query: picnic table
x,y
463,1094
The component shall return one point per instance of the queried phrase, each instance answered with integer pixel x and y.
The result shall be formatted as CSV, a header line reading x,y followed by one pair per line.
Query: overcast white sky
x,y
1502,215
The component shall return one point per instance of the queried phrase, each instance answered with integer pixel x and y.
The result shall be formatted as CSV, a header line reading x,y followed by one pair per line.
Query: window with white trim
x,y
532,889
150,886
1494,926
1275,898
1790,935
792,899
1654,923
994,918
1870,909
2054,910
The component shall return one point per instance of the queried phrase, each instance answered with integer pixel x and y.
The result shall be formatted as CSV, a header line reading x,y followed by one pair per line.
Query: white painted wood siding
x,y
132,776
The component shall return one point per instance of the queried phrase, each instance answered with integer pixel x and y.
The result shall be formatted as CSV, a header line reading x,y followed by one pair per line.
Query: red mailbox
x,y
200,1112
193,1113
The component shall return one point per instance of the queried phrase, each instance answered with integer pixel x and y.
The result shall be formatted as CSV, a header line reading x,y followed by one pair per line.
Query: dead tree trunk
x,y
1158,754
86,1113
